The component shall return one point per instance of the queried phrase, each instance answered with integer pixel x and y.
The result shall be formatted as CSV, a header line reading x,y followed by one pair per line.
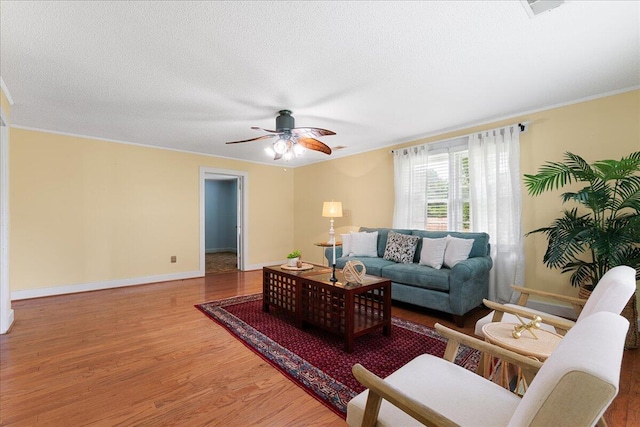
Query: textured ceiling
x,y
192,75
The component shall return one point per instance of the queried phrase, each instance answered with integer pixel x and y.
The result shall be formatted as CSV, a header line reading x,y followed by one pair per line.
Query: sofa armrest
x,y
328,253
471,267
469,284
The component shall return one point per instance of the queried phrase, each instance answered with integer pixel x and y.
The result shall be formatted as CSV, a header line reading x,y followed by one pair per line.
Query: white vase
x,y
293,262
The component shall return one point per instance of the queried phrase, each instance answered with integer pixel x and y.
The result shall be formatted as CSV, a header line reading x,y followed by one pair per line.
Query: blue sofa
x,y
455,291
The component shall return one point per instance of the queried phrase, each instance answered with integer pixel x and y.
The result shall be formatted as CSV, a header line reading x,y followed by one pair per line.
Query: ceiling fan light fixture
x,y
269,150
280,146
298,150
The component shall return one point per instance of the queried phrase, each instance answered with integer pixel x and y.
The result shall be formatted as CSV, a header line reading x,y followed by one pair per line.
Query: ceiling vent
x,y
536,7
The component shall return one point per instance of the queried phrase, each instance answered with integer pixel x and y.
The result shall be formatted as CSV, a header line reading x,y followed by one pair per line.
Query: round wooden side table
x,y
327,245
500,333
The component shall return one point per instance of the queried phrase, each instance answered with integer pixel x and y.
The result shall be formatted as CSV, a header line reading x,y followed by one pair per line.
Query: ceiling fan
x,y
291,140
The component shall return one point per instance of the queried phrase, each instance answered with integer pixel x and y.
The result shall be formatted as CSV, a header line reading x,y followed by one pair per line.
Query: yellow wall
x,y
6,107
85,211
602,128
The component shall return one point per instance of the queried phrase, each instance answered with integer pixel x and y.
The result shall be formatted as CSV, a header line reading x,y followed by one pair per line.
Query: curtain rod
x,y
522,125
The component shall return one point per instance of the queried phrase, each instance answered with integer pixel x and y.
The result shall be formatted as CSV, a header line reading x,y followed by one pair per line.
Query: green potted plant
x,y
293,258
601,229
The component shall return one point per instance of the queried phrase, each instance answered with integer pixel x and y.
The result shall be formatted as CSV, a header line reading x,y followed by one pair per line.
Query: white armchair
x,y
612,293
573,387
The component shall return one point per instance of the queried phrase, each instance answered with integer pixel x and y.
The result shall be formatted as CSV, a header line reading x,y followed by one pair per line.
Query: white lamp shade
x,y
332,209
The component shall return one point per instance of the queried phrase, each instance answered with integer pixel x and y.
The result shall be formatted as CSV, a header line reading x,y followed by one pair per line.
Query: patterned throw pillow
x,y
400,247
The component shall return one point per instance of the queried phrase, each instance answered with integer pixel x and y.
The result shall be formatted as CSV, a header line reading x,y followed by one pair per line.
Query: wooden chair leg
x,y
371,410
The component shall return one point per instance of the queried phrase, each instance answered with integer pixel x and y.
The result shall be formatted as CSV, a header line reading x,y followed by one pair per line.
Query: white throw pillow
x,y
346,244
457,250
364,244
432,253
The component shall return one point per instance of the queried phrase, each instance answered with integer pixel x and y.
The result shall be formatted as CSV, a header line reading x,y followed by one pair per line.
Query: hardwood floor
x,y
145,356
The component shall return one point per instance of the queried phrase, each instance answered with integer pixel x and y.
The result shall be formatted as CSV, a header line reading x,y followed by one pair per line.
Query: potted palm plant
x,y
601,229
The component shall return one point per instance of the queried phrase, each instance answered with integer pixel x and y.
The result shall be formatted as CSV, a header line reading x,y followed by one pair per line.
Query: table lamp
x,y
332,210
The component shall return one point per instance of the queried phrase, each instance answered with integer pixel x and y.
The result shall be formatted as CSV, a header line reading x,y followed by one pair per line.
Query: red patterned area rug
x,y
315,360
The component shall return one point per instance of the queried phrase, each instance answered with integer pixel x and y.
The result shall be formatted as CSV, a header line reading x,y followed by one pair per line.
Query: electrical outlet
x,y
174,258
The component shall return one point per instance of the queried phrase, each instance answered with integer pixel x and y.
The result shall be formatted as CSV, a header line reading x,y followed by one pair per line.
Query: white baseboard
x,y
4,328
551,308
95,286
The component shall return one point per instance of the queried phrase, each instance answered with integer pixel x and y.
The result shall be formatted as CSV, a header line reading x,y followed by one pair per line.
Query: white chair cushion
x,y
510,318
447,388
612,292
580,378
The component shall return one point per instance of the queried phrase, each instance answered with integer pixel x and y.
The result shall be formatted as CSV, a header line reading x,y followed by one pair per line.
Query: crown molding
x,y
137,144
515,116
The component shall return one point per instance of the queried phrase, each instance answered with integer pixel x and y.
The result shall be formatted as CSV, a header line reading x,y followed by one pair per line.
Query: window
x,y
448,191
432,187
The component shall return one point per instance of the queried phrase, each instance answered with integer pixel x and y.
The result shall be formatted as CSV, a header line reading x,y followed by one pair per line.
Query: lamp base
x,y
333,274
332,234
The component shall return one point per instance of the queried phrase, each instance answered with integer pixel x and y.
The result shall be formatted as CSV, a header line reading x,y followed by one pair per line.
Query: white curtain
x,y
496,205
410,181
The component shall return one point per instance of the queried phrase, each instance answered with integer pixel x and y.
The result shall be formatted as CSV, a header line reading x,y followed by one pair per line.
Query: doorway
x,y
223,219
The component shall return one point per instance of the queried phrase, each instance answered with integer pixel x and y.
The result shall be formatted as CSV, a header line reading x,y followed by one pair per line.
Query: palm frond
x,y
581,170
619,169
567,236
549,177
583,272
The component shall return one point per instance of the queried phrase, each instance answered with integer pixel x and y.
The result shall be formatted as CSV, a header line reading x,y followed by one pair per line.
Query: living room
x,y
89,212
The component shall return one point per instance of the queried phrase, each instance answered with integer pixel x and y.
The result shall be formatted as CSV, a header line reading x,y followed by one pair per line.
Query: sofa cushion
x,y
400,247
382,236
457,250
432,253
364,244
418,275
374,266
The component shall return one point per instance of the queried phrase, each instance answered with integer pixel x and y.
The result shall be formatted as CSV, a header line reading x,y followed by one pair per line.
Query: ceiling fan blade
x,y
252,139
278,156
311,132
314,144
265,130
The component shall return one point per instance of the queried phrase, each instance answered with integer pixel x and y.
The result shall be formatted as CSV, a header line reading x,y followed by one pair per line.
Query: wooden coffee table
x,y
348,310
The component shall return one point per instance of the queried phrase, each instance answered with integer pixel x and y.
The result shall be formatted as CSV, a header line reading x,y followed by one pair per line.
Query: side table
x,y
500,333
324,245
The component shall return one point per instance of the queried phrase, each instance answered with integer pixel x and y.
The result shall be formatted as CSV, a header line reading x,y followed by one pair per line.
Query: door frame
x,y
6,312
242,220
